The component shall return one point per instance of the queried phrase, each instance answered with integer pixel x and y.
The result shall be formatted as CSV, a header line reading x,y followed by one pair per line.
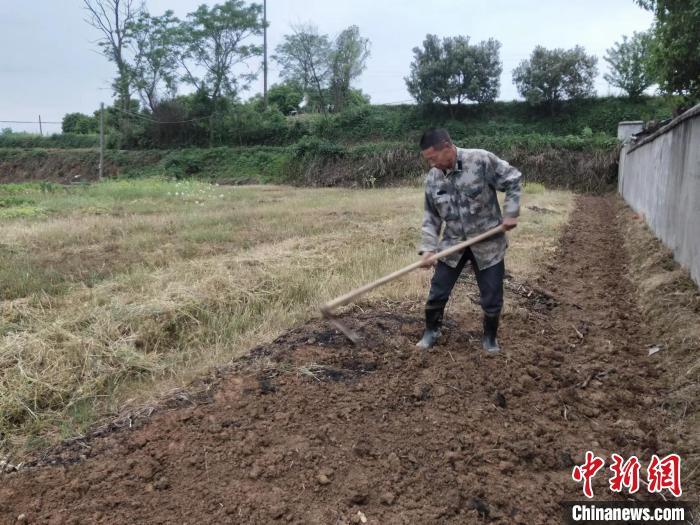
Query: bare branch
x,y
112,18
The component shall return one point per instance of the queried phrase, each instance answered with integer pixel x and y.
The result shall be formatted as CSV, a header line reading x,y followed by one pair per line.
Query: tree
x,y
79,123
628,68
286,96
347,62
480,70
550,76
304,58
154,69
454,71
325,70
429,80
675,50
214,39
113,19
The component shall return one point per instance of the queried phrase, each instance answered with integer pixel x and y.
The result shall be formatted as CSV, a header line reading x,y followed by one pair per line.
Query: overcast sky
x,y
49,63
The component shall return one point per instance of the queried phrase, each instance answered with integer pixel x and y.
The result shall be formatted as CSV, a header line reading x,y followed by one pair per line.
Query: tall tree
x,y
628,64
154,69
430,77
304,58
675,51
216,39
453,71
347,61
550,76
481,71
113,19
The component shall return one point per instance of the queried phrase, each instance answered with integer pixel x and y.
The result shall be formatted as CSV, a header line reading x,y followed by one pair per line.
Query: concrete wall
x,y
659,176
625,130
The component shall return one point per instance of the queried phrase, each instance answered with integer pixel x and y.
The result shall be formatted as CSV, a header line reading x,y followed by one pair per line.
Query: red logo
x,y
665,474
625,474
662,473
586,472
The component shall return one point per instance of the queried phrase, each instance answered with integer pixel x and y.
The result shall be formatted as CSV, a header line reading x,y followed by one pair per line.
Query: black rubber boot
x,y
488,340
433,322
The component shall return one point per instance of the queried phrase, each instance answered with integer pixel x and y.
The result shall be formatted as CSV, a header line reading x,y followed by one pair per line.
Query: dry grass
x,y
669,298
155,288
670,303
536,239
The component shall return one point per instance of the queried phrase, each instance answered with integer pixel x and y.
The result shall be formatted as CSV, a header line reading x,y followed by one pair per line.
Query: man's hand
x,y
425,257
509,223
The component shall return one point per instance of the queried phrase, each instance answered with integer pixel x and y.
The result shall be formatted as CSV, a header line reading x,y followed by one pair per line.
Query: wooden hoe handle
x,y
327,308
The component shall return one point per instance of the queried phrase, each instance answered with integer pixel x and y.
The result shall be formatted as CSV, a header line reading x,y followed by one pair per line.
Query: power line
x,y
28,122
144,117
137,115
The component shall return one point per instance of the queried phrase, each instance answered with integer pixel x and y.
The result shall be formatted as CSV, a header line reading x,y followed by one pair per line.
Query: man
x,y
460,192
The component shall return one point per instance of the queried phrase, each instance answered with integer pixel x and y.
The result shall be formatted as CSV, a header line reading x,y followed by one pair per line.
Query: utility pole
x,y
41,131
265,55
102,138
211,130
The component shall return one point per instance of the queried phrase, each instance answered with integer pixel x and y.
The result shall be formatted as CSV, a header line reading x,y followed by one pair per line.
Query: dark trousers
x,y
489,280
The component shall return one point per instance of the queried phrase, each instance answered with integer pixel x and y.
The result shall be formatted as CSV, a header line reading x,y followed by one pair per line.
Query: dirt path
x,y
311,430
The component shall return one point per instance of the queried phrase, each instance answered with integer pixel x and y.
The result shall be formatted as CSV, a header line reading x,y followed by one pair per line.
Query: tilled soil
x,y
311,429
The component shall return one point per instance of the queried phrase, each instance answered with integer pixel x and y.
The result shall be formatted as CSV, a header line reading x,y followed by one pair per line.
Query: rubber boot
x,y
488,340
433,322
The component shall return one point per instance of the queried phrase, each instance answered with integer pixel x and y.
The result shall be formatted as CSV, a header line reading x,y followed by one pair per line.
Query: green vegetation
x,y
366,146
454,71
152,54
321,67
231,165
80,124
601,115
247,127
628,64
552,75
9,139
673,56
572,161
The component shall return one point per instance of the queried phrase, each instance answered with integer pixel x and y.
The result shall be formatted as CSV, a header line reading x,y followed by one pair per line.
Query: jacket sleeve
x,y
430,229
508,179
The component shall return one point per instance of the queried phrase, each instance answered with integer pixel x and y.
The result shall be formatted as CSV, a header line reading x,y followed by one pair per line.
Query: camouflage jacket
x,y
464,200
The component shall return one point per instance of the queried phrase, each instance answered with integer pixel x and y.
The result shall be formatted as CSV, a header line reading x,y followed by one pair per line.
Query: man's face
x,y
441,157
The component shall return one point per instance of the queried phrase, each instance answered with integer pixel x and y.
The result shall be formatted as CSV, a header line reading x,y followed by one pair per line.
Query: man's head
x,y
437,148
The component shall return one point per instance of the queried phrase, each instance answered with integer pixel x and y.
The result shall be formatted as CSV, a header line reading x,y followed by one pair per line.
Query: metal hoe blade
x,y
340,326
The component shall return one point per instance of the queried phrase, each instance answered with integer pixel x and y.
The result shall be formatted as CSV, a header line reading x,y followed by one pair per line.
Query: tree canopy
x,y
552,75
324,68
629,69
674,54
452,71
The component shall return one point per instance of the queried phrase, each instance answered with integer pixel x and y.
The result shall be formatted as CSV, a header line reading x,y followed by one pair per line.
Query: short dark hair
x,y
434,137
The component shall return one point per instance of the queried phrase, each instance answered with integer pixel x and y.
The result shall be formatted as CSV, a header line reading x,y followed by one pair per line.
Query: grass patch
x,y
536,239
136,287
16,212
534,188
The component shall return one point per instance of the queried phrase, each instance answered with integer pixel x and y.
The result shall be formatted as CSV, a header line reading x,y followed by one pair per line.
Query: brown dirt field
x,y
311,429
